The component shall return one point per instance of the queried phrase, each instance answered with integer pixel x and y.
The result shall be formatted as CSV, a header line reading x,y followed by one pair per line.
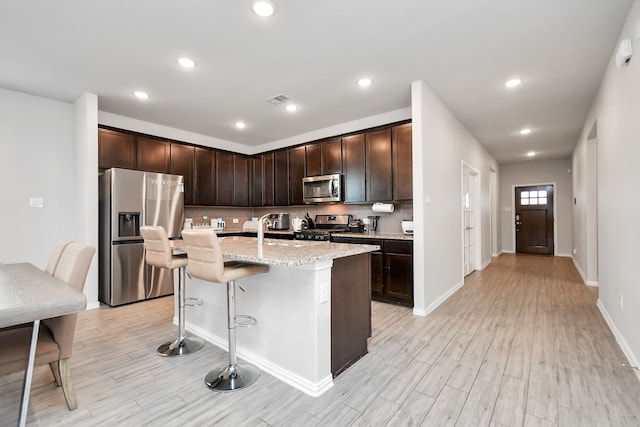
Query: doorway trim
x,y
555,213
477,217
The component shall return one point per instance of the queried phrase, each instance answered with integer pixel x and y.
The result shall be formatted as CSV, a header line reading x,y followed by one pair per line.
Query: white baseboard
x,y
582,275
93,305
485,264
425,311
313,389
506,252
631,358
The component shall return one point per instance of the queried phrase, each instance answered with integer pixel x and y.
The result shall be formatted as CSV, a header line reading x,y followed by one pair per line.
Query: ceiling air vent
x,y
278,99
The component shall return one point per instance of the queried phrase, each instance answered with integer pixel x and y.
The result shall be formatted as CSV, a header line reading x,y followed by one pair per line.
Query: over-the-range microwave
x,y
322,189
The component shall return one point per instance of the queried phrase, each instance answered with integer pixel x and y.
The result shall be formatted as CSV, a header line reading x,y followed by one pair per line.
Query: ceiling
x,y
314,52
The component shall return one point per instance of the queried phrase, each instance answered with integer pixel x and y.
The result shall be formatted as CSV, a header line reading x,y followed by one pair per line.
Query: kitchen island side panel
x,y
292,337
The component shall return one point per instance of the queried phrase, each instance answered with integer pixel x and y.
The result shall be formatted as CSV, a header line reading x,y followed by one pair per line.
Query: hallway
x,y
522,343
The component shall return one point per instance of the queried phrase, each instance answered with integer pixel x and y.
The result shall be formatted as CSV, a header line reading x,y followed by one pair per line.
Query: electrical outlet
x,y
575,251
324,293
620,301
235,220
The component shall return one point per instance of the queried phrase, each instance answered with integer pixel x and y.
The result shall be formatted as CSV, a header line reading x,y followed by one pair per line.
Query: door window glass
x,y
533,197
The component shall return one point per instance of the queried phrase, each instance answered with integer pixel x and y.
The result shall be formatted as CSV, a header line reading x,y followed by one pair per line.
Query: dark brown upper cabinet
x,y
183,163
332,156
296,173
116,149
281,177
313,159
402,162
240,180
205,177
353,164
153,155
324,158
379,164
257,181
224,170
267,180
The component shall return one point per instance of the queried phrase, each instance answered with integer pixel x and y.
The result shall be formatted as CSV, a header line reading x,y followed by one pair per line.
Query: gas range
x,y
324,226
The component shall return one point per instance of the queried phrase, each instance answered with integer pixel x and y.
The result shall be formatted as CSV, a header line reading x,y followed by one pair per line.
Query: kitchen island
x,y
313,309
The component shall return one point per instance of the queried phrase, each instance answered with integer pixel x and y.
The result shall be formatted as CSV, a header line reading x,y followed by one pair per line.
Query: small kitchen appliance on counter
x,y
279,221
407,226
356,226
324,226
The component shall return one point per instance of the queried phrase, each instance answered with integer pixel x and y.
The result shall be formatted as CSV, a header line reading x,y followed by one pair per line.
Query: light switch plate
x,y
36,202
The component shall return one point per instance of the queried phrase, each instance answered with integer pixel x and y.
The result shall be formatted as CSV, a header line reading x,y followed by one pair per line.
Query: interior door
x,y
534,219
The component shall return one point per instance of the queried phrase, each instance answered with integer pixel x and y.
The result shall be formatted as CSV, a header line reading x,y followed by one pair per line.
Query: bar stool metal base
x,y
232,377
179,347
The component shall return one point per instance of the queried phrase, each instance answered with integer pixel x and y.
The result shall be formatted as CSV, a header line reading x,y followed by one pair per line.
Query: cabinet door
x,y
116,149
281,177
378,166
240,180
398,264
224,170
332,156
399,276
257,187
313,159
182,163
354,168
153,155
377,274
267,179
402,163
296,173
205,177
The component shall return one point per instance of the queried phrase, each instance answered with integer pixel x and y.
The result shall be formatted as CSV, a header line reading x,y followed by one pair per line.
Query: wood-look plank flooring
x,y
522,343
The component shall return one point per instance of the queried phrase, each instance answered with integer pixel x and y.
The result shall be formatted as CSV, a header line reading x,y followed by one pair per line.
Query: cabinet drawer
x,y
398,246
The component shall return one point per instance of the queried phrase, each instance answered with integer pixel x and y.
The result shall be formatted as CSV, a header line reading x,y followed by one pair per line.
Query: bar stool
x,y
158,253
206,262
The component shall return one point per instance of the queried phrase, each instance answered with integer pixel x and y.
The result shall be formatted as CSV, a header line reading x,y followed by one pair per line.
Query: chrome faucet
x,y
261,224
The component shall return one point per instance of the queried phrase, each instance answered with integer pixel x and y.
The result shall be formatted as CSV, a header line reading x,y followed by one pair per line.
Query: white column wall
x,y
440,144
615,113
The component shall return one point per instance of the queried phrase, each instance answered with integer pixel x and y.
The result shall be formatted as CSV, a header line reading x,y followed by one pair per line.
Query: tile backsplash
x,y
387,222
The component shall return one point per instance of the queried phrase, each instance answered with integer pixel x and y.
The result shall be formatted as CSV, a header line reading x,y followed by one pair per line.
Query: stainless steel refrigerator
x,y
128,200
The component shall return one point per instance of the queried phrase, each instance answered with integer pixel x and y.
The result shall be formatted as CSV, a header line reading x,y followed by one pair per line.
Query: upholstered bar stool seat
x,y
206,262
158,253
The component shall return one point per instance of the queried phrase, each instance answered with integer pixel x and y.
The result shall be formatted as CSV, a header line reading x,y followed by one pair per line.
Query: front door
x,y
534,219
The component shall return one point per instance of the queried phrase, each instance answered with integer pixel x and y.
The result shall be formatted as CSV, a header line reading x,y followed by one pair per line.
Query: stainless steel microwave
x,y
322,189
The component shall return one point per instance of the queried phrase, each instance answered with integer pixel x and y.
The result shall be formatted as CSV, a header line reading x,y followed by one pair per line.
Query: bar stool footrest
x,y
245,321
193,302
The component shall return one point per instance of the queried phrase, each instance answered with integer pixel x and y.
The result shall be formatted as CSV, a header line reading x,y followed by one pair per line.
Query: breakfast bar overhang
x,y
313,308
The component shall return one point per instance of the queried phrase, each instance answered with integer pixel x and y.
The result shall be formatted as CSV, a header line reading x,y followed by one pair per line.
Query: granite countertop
x,y
284,253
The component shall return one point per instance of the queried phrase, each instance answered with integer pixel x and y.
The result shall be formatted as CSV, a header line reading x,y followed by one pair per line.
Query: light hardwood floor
x,y
522,343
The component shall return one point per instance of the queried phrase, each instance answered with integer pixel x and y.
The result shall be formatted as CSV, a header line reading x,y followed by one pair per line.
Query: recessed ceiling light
x,y
141,95
525,131
292,108
186,62
531,153
365,82
240,125
513,83
263,7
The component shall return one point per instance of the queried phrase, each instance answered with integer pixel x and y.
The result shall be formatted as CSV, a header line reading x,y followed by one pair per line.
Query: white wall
x,y
543,172
440,144
615,112
37,155
49,151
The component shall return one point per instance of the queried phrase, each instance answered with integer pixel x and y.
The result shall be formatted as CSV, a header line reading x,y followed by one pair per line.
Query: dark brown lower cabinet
x,y
391,269
350,310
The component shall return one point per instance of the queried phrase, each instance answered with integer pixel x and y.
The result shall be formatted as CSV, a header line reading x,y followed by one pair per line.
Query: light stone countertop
x,y
375,235
284,253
